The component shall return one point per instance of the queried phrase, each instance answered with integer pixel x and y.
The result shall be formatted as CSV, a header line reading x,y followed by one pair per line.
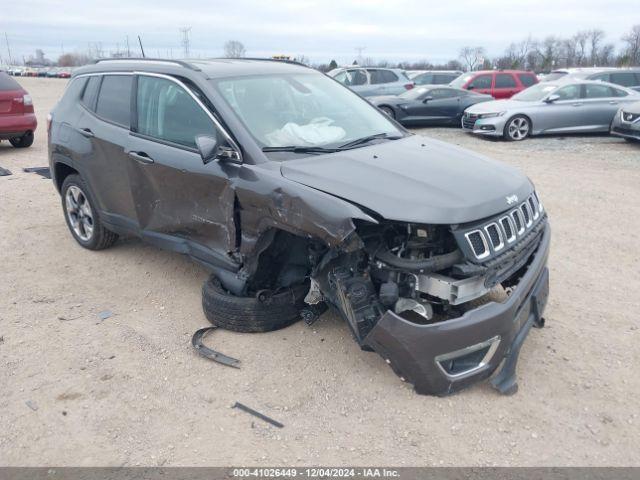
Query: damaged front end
x,y
444,305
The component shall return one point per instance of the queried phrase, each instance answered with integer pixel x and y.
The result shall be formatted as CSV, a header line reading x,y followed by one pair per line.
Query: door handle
x,y
141,157
86,132
579,104
613,102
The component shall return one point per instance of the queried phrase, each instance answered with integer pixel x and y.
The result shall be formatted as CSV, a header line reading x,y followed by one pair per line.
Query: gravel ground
x,y
129,390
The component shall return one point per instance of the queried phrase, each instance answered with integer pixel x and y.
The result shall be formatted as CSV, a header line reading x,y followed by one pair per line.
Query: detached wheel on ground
x,y
24,141
264,312
388,111
82,216
517,128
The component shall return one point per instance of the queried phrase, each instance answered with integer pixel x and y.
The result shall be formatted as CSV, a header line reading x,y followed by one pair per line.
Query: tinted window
x,y
90,91
626,79
443,79
604,77
382,76
424,79
505,80
8,83
356,77
597,91
527,80
616,92
167,112
114,99
480,82
570,92
438,93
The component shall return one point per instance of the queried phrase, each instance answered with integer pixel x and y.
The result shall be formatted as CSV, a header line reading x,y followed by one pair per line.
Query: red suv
x,y
17,119
497,83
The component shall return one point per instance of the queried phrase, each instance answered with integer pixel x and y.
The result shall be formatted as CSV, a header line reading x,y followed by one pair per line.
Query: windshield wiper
x,y
367,139
299,149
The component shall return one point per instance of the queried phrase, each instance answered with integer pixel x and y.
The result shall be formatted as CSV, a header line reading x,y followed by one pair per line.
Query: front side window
x,y
504,80
302,109
114,99
167,112
527,79
480,82
570,92
439,93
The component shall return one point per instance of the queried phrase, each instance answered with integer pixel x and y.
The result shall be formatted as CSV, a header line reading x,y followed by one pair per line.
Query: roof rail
x,y
181,63
262,59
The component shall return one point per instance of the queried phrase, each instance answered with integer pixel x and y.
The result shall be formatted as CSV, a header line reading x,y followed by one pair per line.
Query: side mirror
x,y
426,99
470,87
208,147
552,98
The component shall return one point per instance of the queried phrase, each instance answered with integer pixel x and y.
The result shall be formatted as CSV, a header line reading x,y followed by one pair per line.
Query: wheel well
x,y
521,115
62,171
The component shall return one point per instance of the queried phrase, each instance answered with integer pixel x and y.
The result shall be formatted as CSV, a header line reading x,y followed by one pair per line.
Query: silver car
x,y
368,82
565,106
626,123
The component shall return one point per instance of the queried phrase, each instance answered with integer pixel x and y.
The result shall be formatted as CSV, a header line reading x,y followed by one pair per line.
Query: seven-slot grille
x,y
469,120
630,117
500,233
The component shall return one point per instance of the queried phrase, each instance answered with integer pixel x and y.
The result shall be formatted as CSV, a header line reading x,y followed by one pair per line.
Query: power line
x,y
6,37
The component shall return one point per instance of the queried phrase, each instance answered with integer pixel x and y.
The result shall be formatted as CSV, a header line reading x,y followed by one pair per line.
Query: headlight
x,y
491,115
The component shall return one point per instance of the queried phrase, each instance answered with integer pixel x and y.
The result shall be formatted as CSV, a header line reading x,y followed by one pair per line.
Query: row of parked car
x,y
511,104
49,72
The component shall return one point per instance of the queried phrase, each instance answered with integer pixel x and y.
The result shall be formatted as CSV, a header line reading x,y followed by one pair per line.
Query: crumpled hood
x,y
415,179
498,106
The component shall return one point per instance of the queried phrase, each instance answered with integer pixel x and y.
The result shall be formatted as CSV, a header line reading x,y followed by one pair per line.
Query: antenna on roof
x,y
141,49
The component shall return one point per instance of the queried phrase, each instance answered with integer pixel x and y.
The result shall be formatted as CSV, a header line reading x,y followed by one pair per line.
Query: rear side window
x,y
167,112
382,76
505,80
597,91
114,99
438,93
527,80
481,81
8,83
626,79
424,79
443,79
88,98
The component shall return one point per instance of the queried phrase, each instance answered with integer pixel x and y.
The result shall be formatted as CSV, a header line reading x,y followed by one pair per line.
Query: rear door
x,y
505,86
178,199
104,124
601,102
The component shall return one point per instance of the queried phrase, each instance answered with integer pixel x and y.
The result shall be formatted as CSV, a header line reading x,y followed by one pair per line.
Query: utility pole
x,y
128,49
6,37
359,50
185,40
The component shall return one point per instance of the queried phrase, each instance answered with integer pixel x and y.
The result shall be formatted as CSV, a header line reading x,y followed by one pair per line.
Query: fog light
x,y
468,360
487,127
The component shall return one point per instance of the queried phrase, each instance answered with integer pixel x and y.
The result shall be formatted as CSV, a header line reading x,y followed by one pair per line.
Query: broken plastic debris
x,y
104,314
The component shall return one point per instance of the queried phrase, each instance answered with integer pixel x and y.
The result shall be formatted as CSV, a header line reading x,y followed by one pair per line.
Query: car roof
x,y
484,72
571,80
210,68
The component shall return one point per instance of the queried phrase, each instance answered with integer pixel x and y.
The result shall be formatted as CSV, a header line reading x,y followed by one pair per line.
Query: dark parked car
x,y
297,193
17,119
497,83
626,123
431,104
434,77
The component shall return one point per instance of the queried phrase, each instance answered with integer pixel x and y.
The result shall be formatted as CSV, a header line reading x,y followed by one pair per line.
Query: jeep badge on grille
x,y
511,199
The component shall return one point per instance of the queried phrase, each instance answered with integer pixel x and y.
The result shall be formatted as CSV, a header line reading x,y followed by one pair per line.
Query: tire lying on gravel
x,y
264,312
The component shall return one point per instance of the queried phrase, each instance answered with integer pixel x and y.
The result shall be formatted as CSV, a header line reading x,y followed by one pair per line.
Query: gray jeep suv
x,y
297,194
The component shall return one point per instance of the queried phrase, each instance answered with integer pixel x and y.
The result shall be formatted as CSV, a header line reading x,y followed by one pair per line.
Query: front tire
x,y
81,215
517,128
388,111
264,312
24,141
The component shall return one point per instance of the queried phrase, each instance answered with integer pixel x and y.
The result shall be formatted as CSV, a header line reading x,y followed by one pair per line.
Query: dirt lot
x,y
130,390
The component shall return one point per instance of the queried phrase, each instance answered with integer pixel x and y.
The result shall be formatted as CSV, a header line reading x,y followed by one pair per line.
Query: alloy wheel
x,y
518,128
79,213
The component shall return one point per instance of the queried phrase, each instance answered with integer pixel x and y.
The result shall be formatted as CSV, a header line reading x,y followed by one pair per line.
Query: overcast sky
x,y
320,29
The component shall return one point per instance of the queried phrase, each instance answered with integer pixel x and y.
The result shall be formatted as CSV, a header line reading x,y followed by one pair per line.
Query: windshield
x,y
302,109
554,76
535,93
414,93
460,81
